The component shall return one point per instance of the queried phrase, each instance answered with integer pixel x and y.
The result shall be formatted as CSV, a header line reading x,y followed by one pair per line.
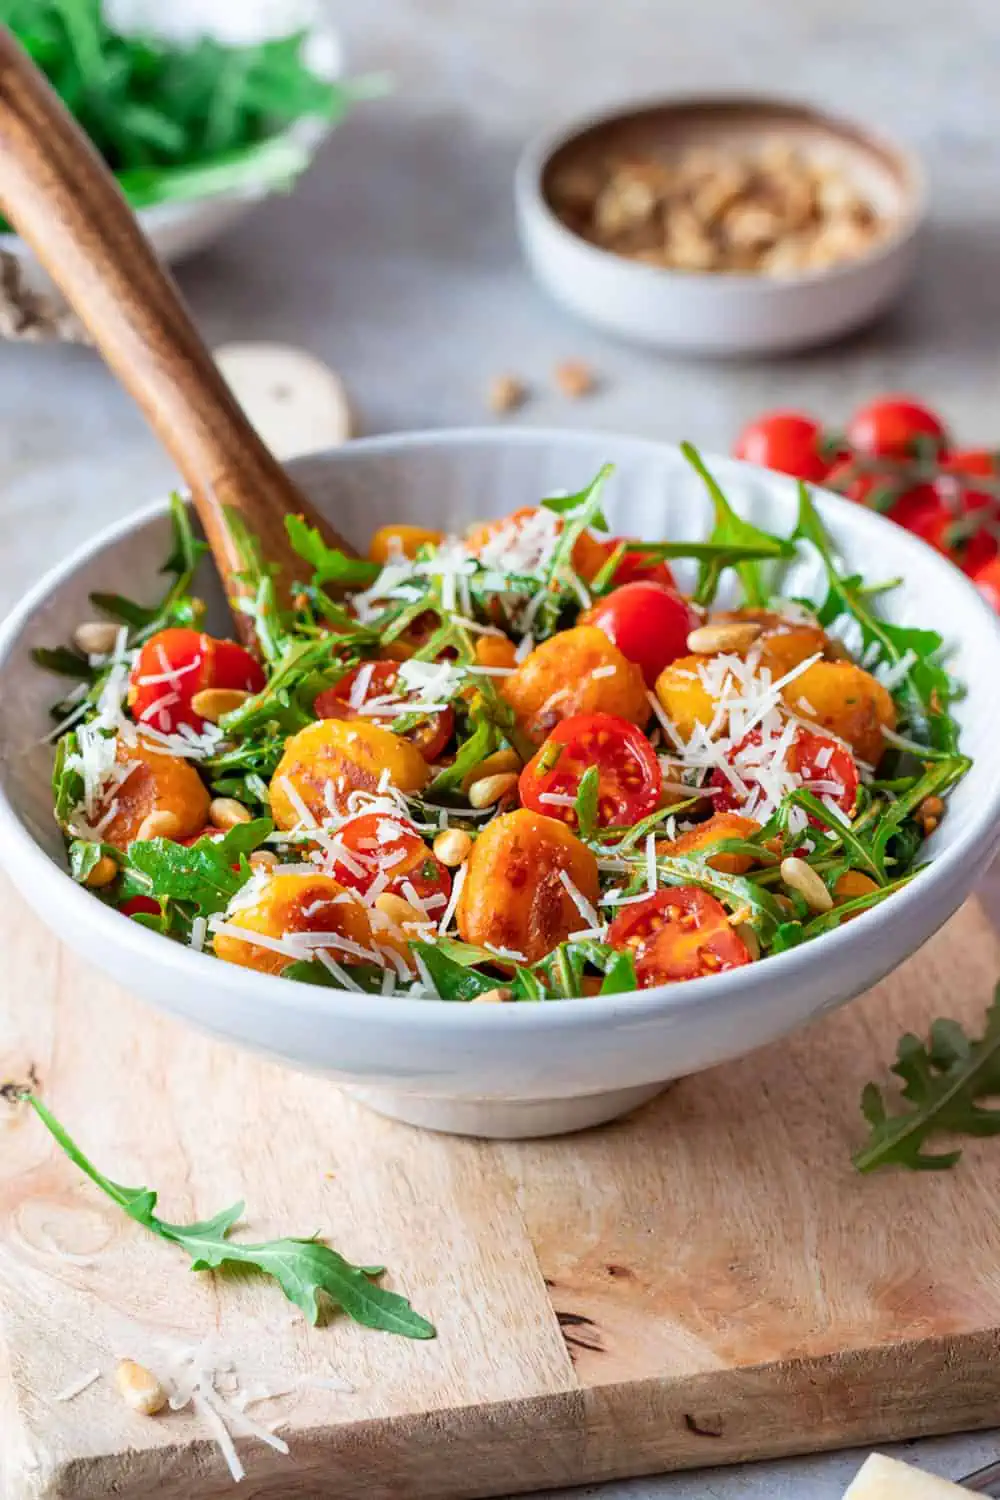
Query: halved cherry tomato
x,y
140,906
896,427
823,765
379,841
788,441
629,777
987,581
677,934
176,664
429,736
648,622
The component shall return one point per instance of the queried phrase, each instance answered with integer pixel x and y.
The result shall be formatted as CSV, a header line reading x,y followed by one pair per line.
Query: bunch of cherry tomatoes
x,y
896,456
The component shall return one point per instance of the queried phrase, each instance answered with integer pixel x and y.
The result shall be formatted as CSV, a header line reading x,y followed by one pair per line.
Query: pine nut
x,y
452,846
102,874
737,635
139,1388
213,703
799,876
399,912
489,789
158,825
226,812
492,765
498,996
96,637
263,859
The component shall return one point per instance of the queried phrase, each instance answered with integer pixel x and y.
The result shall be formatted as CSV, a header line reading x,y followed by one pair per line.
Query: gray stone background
x,y
396,261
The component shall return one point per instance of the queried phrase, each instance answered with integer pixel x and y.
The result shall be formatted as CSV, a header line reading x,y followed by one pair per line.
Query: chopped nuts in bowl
x,y
729,225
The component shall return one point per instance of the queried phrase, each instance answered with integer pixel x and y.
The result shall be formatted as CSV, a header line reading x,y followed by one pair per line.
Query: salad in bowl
x,y
516,764
517,816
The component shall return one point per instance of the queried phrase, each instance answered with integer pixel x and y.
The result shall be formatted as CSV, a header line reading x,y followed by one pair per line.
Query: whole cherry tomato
x,y
923,511
823,765
377,842
634,567
973,535
896,427
380,677
788,441
178,663
629,777
876,490
678,933
648,622
987,581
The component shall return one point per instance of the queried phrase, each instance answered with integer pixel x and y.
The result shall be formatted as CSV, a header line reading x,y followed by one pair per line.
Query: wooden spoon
x,y
60,197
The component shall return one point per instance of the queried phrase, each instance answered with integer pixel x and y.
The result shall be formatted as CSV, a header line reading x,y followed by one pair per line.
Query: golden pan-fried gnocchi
x,y
508,765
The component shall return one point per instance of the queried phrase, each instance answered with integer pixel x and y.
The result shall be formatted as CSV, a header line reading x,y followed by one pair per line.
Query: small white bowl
x,y
510,1070
713,312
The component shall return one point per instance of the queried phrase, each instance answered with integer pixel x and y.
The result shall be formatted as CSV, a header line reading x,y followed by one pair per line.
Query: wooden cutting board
x,y
705,1282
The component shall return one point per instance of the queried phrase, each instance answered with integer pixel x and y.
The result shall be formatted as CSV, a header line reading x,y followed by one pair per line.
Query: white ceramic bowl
x,y
712,312
178,230
504,1070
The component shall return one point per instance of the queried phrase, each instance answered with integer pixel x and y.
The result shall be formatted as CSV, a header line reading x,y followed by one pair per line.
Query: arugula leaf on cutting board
x,y
944,1080
307,1270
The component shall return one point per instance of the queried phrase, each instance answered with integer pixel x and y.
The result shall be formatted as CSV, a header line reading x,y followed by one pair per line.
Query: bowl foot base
x,y
504,1119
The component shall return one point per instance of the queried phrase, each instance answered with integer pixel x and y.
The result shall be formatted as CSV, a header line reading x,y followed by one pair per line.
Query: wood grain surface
x,y
705,1282
62,200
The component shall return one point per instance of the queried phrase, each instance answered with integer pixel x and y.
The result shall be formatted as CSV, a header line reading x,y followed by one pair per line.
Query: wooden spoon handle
x,y
61,199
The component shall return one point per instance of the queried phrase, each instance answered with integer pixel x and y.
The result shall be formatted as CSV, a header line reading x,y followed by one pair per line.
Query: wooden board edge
x,y
920,1389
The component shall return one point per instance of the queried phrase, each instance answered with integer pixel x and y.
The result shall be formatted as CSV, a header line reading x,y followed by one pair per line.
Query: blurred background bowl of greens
x,y
200,107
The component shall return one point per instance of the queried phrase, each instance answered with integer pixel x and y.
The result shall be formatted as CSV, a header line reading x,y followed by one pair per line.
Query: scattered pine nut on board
x,y
885,1479
708,1281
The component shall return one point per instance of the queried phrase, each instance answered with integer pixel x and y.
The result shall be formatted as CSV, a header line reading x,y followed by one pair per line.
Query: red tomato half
x,y
787,441
140,906
378,841
896,427
823,764
678,933
648,622
429,736
987,581
176,664
629,777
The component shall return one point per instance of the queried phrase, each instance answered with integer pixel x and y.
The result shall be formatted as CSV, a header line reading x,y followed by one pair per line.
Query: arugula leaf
x,y
482,741
452,979
63,662
67,782
729,533
939,776
943,1082
926,690
580,511
563,505
202,874
329,564
734,891
84,856
177,607
311,971
862,857
305,1269
587,797
620,977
